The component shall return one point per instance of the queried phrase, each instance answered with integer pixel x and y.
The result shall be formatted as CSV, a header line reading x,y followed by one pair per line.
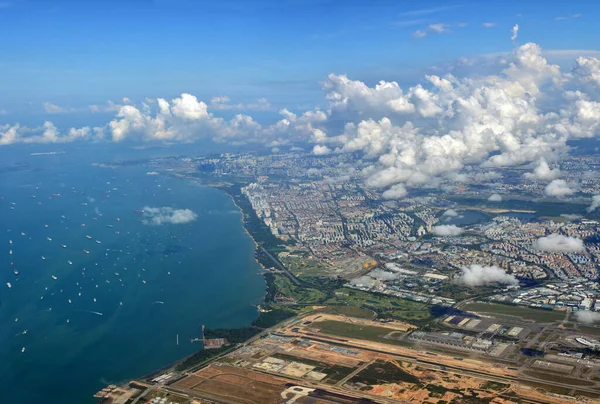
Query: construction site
x,y
327,358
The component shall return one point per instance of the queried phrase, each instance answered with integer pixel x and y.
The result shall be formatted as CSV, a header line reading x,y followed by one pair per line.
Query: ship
x,y
54,277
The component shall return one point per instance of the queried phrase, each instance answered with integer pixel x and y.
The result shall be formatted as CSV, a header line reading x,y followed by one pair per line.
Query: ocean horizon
x,y
103,268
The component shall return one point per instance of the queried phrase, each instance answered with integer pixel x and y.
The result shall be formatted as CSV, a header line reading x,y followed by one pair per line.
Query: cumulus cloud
x,y
167,215
558,188
595,203
522,111
320,150
559,243
397,191
514,32
587,317
495,198
543,172
382,275
477,275
447,230
450,213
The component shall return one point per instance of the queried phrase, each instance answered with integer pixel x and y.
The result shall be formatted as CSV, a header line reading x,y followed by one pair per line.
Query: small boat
x,y
43,257
110,226
63,216
23,350
55,194
16,272
94,300
70,263
54,277
69,300
23,233
88,237
9,285
63,245
10,252
48,238
98,242
86,251
45,225
9,241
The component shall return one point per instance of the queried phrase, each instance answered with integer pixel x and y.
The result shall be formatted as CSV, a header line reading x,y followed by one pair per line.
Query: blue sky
x,y
76,53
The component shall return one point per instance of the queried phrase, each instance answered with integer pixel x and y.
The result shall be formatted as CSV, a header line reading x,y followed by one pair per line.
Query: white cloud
x,y
558,243
419,33
382,275
558,188
495,198
447,230
522,110
477,275
595,203
319,150
514,32
450,213
543,172
397,191
222,102
587,317
167,215
50,108
488,24
438,28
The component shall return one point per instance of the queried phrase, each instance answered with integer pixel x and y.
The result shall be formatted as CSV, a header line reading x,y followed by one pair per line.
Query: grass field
x,y
350,330
525,312
350,311
303,266
385,306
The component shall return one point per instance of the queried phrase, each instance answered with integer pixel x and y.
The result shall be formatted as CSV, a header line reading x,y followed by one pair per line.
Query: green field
x,y
385,306
350,330
525,312
350,311
300,266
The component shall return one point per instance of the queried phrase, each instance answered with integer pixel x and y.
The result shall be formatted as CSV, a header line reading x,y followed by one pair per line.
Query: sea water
x,y
114,313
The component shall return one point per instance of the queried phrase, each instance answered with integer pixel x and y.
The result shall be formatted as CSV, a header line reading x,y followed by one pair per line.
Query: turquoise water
x,y
150,282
